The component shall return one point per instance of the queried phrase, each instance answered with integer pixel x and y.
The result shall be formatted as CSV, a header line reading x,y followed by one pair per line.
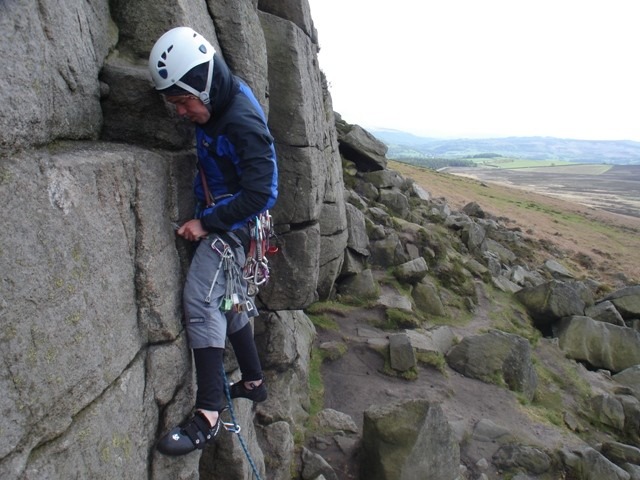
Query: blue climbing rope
x,y
235,428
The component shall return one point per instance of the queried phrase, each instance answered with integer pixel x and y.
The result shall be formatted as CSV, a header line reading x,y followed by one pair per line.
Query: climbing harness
x,y
233,426
256,267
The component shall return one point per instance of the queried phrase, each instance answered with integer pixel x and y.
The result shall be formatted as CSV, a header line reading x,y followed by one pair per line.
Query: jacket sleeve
x,y
257,166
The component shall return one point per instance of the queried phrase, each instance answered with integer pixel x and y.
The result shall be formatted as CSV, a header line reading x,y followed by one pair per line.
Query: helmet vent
x,y
203,49
162,71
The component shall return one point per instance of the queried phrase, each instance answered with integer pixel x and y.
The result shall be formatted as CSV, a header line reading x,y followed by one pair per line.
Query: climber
x,y
236,180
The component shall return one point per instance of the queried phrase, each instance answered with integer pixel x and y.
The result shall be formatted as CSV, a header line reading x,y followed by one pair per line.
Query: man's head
x,y
190,107
181,66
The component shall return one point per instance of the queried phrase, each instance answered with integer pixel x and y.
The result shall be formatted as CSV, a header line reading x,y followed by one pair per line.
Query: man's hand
x,y
192,230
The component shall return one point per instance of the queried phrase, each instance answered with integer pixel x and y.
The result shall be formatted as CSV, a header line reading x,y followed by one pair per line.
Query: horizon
x,y
494,137
493,69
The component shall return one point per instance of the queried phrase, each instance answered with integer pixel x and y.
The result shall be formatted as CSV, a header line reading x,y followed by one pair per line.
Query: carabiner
x,y
216,249
262,269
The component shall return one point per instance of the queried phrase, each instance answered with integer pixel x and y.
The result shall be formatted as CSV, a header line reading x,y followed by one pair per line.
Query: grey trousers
x,y
206,324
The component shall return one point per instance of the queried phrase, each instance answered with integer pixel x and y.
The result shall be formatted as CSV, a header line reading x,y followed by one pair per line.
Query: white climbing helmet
x,y
174,54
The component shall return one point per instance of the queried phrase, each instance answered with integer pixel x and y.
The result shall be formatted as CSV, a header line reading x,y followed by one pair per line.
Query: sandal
x,y
256,394
194,434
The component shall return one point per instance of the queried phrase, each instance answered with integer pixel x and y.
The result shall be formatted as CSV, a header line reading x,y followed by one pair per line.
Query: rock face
x,y
93,170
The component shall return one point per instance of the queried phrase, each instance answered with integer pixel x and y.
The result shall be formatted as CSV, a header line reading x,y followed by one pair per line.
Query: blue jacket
x,y
236,151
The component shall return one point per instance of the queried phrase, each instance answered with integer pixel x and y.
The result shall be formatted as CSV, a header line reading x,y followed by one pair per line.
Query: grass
x,y
513,163
329,306
316,385
553,385
321,313
544,165
323,321
398,319
433,359
511,317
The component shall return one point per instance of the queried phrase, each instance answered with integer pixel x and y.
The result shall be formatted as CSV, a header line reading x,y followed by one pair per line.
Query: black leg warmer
x,y
209,364
244,347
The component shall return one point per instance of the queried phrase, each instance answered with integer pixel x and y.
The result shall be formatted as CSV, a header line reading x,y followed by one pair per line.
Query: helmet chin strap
x,y
204,95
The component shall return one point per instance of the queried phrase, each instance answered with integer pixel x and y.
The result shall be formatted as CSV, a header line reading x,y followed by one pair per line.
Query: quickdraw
x,y
234,297
256,268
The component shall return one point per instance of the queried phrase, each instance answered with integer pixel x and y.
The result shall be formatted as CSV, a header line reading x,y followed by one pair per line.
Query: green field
x,y
543,165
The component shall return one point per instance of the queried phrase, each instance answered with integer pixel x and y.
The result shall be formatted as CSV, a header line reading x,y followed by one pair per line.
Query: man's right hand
x,y
192,230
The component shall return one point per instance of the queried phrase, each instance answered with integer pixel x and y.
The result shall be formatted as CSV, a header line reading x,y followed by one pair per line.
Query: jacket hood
x,y
222,86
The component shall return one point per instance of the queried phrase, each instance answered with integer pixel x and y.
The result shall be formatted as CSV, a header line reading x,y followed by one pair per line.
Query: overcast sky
x,y
481,68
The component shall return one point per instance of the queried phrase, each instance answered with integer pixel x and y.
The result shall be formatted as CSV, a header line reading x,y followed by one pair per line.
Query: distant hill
x,y
405,145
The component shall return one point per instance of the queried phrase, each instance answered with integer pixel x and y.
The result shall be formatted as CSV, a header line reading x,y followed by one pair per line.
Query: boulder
x,y
134,113
631,408
505,285
387,252
605,312
88,293
436,340
361,285
620,453
557,270
408,440
412,271
420,192
362,148
390,298
384,179
329,419
494,357
626,301
602,345
588,464
513,457
401,354
474,237
294,270
426,298
505,255
549,302
608,410
395,201
473,209
313,466
630,377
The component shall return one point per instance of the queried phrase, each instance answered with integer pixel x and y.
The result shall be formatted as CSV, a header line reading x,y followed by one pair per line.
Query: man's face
x,y
190,107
